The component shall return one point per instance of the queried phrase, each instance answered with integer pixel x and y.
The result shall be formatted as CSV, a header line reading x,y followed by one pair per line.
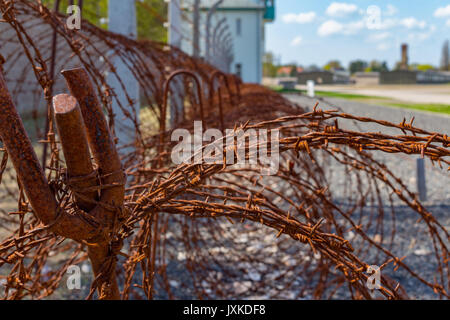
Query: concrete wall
x,y
341,77
366,78
398,77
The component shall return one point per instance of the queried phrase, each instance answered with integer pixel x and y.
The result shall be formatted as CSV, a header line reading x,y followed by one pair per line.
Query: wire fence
x,y
139,232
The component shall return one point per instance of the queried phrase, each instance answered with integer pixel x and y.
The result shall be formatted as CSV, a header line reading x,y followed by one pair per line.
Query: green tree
x,y
269,67
93,10
421,67
312,68
377,66
151,15
293,67
398,66
425,67
333,65
357,66
384,67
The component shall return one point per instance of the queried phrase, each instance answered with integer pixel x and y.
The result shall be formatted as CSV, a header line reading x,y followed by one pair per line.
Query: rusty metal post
x,y
166,88
99,136
32,178
72,133
110,208
196,29
24,158
211,12
237,84
219,74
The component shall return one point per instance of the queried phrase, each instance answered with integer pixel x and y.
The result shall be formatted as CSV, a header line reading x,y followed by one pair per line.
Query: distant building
x,y
242,34
366,78
406,76
319,77
404,65
433,77
413,77
398,77
341,76
287,71
324,77
284,71
288,83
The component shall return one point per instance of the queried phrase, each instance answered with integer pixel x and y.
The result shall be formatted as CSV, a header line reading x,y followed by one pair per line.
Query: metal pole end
x,y
72,71
64,103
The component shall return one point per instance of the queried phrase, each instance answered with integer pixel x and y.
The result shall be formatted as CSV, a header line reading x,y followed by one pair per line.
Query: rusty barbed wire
x,y
187,217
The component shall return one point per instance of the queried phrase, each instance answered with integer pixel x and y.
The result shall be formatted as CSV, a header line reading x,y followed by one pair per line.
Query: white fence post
x,y
310,88
174,23
122,20
175,38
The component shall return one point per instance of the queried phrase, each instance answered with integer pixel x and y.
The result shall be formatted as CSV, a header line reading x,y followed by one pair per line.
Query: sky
x,y
316,31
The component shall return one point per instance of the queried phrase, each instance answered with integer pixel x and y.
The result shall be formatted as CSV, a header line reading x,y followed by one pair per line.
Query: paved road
x,y
438,180
434,122
436,94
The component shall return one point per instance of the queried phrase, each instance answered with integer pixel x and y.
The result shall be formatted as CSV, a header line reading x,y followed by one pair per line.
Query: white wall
x,y
248,47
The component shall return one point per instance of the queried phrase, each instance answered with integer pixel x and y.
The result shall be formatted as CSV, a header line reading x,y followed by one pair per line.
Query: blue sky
x,y
316,31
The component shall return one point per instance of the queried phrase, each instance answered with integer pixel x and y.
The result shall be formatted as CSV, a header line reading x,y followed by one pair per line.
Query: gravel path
x,y
420,93
425,120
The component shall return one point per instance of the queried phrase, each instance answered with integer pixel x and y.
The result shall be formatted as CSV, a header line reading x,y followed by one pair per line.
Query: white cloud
x,y
331,27
391,10
421,36
354,27
379,36
409,23
303,17
296,41
447,23
340,9
412,22
442,12
382,24
383,46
